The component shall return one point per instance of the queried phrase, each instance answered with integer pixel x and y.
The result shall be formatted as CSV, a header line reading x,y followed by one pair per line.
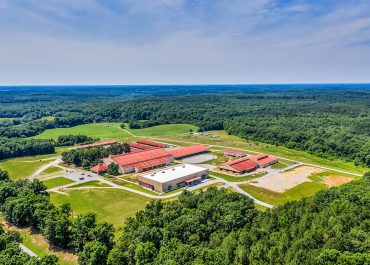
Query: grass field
x,y
56,182
222,140
52,171
279,165
305,189
235,179
110,205
165,129
93,183
94,130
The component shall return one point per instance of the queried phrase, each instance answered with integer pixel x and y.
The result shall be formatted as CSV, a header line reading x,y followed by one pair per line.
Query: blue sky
x,y
184,41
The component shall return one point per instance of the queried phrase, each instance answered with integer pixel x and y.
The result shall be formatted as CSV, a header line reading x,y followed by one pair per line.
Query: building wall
x,y
163,187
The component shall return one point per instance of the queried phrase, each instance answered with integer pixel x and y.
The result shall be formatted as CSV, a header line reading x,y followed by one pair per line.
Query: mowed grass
x,y
52,171
300,191
93,183
110,205
94,130
165,129
23,167
56,182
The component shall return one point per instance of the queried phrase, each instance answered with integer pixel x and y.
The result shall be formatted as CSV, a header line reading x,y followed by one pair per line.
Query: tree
x,y
93,253
145,253
82,230
4,176
113,169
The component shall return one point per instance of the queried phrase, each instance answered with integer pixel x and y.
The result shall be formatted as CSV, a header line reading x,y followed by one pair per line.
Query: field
x,y
55,182
235,179
51,171
110,205
304,189
93,183
94,130
165,129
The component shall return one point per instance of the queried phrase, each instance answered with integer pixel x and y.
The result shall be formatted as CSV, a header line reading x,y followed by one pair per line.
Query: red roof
x,y
151,143
99,168
131,159
234,151
152,163
263,159
241,164
140,146
188,150
97,144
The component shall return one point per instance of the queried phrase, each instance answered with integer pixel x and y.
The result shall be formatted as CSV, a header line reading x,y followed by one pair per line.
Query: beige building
x,y
171,178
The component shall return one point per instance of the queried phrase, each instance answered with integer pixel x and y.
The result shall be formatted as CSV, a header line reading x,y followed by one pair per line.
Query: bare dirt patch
x,y
332,181
281,182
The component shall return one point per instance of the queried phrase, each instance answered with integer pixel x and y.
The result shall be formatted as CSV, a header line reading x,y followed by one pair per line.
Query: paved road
x,y
27,250
46,166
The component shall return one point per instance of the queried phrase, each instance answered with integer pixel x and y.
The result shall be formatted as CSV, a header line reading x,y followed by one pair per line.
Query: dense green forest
x,y
331,121
212,227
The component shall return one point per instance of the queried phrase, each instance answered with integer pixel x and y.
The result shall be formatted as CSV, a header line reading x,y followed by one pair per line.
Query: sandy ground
x,y
332,181
284,181
197,159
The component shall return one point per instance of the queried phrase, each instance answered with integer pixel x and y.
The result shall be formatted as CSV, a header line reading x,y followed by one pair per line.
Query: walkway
x,y
27,250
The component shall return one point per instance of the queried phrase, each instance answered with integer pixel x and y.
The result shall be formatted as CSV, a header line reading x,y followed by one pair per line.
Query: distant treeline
x,y
15,147
326,122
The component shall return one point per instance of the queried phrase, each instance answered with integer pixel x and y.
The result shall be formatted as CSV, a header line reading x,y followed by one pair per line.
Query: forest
x,y
211,227
331,121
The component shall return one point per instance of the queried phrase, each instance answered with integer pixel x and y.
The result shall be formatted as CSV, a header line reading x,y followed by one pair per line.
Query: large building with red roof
x,y
140,146
152,143
264,160
234,152
183,152
240,165
104,144
143,160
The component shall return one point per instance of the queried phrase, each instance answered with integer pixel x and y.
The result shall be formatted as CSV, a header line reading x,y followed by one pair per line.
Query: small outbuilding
x,y
99,168
234,152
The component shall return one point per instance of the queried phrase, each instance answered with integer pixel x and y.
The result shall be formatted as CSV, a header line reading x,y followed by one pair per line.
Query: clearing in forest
x,y
281,182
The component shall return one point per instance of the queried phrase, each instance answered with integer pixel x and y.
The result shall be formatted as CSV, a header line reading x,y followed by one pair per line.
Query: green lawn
x,y
279,165
52,171
94,130
235,179
165,129
56,182
110,205
93,183
300,191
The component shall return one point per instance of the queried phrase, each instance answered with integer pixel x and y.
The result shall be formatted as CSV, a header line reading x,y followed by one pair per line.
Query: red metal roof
x,y
140,146
151,143
152,163
188,150
263,159
241,164
97,144
130,159
234,151
99,168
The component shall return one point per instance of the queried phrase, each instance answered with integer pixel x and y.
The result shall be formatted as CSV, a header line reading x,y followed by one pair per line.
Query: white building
x,y
173,177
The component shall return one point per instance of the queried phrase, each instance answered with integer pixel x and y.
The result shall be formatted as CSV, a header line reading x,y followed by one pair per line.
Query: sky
x,y
57,42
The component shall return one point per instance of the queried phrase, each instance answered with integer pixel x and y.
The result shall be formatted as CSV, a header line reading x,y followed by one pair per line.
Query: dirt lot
x,y
284,181
197,159
332,181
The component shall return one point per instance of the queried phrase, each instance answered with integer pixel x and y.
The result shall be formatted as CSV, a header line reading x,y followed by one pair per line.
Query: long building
x,y
142,161
264,160
171,178
240,165
183,152
104,144
152,143
234,152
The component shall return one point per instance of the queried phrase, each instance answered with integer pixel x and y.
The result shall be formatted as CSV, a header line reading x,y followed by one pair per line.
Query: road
x,y
27,250
44,167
